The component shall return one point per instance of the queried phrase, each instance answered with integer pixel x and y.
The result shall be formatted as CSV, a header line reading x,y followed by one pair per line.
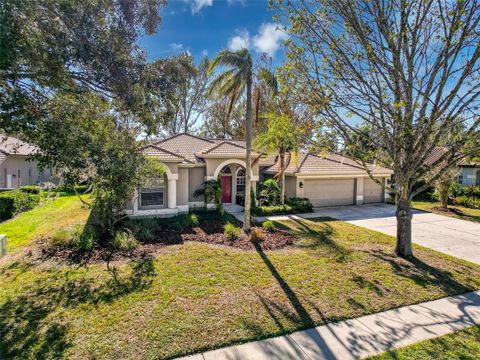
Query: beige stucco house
x,y
15,167
190,160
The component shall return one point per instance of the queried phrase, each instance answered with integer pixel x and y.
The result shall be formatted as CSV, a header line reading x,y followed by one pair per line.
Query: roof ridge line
x,y
220,144
184,133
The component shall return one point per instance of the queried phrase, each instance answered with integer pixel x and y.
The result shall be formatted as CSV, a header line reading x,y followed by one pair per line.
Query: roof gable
x,y
161,154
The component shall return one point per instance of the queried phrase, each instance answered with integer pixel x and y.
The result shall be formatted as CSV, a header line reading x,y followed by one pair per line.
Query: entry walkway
x,y
365,336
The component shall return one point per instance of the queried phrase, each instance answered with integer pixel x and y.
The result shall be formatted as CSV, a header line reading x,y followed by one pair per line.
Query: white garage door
x,y
372,192
330,192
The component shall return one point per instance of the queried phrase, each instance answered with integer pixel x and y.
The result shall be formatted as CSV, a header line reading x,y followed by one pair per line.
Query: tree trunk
x,y
404,228
248,162
282,176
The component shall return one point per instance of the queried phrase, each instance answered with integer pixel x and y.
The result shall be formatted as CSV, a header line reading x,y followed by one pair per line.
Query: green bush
x,y
273,210
457,190
470,202
300,205
78,237
269,193
30,189
189,220
125,241
292,206
231,231
268,225
16,201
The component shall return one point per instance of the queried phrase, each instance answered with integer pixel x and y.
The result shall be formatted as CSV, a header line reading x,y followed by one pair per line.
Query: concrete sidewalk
x,y
365,336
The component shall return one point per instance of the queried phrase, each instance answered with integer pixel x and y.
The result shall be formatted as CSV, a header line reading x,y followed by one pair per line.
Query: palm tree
x,y
212,190
232,83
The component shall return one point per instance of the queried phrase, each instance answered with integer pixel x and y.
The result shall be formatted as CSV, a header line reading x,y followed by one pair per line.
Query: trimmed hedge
x,y
292,206
30,189
16,201
469,202
468,191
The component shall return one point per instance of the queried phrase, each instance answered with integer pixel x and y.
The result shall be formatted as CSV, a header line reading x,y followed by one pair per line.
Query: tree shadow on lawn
x,y
31,325
320,238
355,344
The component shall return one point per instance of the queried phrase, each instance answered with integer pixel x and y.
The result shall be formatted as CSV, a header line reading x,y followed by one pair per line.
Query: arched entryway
x,y
232,180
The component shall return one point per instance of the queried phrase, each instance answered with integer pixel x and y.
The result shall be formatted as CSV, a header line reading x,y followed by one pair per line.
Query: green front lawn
x,y
193,296
466,213
43,220
463,345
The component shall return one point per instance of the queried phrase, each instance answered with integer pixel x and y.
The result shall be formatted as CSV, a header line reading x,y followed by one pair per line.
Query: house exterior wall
x,y
213,163
290,186
182,186
196,176
29,172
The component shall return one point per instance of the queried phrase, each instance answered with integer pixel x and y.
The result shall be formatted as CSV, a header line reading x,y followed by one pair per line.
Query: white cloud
x,y
176,46
240,41
269,38
198,5
204,52
233,2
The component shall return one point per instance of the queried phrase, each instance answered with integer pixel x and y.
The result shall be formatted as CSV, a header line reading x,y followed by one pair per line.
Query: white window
x,y
241,181
153,195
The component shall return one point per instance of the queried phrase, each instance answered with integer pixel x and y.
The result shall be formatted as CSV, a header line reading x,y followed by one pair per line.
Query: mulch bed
x,y
210,232
450,210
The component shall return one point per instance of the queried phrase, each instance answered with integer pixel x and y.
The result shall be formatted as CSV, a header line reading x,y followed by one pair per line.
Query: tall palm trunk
x,y
248,162
282,176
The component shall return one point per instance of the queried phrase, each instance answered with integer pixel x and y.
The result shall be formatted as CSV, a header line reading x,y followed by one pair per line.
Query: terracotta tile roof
x,y
224,147
185,145
11,145
162,154
309,164
436,154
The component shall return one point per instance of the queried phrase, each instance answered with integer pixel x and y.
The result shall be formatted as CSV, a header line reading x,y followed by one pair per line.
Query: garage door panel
x,y
330,192
372,192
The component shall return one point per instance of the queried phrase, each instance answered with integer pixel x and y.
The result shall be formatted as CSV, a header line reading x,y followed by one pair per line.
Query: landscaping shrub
x,y
30,189
16,201
231,231
189,220
269,193
78,237
124,240
273,210
255,235
470,202
293,206
468,191
300,205
268,225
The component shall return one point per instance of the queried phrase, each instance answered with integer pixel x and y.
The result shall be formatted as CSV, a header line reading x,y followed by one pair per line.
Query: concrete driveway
x,y
451,236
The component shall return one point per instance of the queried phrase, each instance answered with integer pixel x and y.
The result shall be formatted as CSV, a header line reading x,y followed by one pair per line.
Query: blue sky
x,y
208,26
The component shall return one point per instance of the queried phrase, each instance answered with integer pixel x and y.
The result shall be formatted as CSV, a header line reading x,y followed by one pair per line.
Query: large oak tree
x,y
406,70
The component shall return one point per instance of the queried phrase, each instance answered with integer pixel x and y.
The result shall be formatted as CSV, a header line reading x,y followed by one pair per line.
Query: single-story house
x,y
468,171
190,160
15,167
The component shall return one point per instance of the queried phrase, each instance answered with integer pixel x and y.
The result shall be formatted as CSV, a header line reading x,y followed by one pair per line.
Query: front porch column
x,y
254,191
359,192
172,193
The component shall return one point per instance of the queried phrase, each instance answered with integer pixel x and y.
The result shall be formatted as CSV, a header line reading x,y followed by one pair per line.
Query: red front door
x,y
226,189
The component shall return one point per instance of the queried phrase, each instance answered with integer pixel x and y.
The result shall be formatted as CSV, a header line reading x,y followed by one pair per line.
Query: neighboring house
x,y
469,171
15,170
190,160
